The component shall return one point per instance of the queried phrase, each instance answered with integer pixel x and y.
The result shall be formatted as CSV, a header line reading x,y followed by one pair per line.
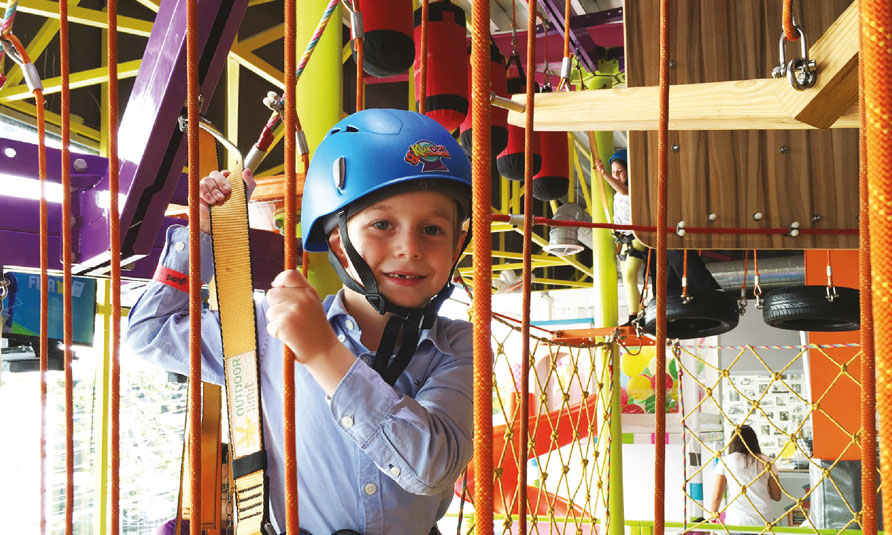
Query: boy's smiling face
x,y
410,241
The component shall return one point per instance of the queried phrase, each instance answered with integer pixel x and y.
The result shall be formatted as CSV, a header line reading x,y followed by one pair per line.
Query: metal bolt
x,y
783,149
815,218
713,216
672,63
758,216
675,147
80,165
794,224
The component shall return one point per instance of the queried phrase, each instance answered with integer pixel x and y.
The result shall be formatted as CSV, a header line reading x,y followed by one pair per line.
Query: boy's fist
x,y
214,189
296,317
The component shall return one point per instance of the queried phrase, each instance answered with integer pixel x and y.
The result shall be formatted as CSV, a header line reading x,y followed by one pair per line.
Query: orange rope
x,y
523,410
868,364
40,104
746,265
359,43
115,258
660,416
288,391
66,266
194,438
422,84
567,12
876,28
789,29
481,210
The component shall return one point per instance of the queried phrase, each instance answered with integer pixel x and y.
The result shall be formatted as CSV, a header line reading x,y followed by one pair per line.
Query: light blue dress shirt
x,y
373,458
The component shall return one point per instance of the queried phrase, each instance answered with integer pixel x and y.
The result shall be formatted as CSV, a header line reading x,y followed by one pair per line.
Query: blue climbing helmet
x,y
621,155
378,153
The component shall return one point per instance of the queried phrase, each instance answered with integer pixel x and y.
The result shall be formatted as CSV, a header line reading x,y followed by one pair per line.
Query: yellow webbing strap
x,y
232,264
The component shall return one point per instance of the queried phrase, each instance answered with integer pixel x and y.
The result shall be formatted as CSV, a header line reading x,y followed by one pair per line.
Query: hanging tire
x,y
711,312
806,308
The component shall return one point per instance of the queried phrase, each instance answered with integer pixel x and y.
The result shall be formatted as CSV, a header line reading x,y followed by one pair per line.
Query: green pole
x,y
319,105
605,286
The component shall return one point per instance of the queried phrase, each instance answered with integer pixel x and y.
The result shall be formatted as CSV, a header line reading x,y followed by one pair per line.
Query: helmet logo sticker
x,y
428,154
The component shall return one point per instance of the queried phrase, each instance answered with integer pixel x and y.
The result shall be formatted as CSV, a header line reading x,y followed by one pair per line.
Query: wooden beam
x,y
735,105
836,90
99,75
758,104
87,17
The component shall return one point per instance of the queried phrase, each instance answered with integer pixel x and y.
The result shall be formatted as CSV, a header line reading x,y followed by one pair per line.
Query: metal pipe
x,y
774,272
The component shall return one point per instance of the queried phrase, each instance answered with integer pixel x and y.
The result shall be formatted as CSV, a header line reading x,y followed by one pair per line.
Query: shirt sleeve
x,y
422,443
158,324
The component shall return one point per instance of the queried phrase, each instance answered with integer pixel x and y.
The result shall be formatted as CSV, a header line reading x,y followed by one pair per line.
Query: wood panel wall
x,y
808,176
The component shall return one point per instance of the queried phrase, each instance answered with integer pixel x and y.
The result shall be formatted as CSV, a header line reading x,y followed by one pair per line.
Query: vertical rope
x,y
660,416
359,43
115,241
481,209
291,511
789,29
422,84
194,440
66,266
44,299
876,57
868,434
523,411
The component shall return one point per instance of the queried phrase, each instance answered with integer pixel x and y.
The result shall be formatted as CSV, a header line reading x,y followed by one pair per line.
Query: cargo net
x,y
776,402
568,429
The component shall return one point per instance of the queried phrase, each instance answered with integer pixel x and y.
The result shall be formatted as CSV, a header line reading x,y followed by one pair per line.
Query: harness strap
x,y
232,265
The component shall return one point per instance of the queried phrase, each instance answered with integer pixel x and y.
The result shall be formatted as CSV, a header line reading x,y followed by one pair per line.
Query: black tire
x,y
806,308
711,312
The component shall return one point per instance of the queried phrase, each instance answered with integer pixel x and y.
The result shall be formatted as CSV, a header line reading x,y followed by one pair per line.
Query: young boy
x,y
384,386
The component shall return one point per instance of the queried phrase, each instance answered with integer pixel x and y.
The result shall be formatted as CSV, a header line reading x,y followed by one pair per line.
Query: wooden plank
x,y
803,175
732,105
836,90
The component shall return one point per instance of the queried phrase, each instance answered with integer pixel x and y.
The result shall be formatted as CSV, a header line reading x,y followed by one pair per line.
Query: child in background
x,y
384,385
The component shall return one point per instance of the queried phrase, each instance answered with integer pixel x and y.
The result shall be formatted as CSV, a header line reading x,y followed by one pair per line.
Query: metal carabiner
x,y
742,302
757,291
4,287
801,72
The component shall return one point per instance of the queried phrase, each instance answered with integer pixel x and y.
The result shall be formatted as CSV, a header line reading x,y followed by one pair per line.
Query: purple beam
x,y
20,218
580,42
152,148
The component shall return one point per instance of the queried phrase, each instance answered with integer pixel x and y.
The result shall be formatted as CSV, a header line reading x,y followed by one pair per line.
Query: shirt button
x,y
370,489
349,324
395,471
342,338
347,421
179,246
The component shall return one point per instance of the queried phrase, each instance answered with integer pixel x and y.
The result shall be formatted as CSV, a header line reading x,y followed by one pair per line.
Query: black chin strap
x,y
409,321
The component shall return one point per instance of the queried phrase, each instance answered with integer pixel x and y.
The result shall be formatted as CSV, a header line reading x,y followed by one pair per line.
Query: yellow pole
x,y
102,410
319,106
606,300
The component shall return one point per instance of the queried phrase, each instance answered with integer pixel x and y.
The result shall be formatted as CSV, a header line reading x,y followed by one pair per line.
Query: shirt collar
x,y
334,304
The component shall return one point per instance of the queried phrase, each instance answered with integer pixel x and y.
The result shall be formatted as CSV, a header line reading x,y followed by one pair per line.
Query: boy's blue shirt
x,y
373,458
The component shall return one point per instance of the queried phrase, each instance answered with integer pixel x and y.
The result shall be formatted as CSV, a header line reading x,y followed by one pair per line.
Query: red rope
x,y
662,197
115,259
66,266
689,230
523,410
868,363
481,223
288,390
194,439
422,84
876,34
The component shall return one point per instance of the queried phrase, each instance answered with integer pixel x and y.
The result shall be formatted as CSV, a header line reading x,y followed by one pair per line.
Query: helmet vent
x,y
351,128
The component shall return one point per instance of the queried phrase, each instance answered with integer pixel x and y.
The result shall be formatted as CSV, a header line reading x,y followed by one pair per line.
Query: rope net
x,y
567,480
778,404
